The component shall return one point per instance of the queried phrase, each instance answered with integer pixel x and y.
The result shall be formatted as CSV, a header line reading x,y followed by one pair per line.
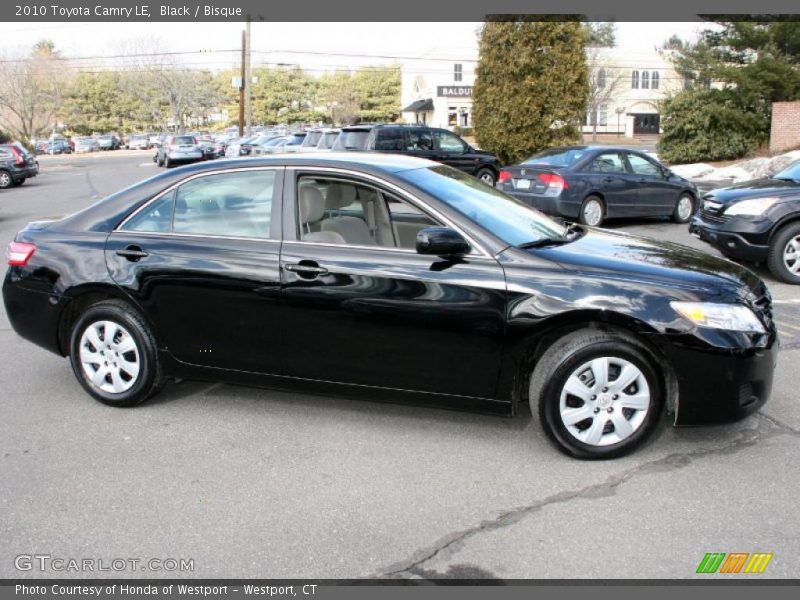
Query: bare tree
x,y
30,90
604,83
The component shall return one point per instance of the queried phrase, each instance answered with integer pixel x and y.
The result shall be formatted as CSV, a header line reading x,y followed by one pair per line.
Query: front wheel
x,y
486,176
114,356
593,212
684,209
784,254
597,394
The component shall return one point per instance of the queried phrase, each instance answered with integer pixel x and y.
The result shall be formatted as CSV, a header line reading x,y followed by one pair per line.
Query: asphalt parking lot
x,y
255,483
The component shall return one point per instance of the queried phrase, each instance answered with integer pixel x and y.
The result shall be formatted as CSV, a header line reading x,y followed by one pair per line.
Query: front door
x,y
657,196
646,124
362,307
202,261
453,151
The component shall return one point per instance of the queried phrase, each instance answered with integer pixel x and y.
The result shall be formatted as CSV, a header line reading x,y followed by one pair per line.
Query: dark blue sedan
x,y
593,183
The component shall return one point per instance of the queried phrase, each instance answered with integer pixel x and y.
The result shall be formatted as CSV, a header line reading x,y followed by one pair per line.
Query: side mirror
x,y
667,173
441,241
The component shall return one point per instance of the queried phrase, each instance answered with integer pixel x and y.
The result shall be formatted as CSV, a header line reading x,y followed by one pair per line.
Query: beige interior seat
x,y
311,209
354,230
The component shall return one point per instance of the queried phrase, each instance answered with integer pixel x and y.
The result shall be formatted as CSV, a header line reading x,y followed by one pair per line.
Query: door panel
x,y
656,195
393,319
608,173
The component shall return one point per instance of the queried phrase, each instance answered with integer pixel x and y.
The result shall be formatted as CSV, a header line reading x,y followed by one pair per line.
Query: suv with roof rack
x,y
436,144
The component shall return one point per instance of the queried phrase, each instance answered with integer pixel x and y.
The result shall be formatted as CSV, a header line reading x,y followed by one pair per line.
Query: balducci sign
x,y
454,91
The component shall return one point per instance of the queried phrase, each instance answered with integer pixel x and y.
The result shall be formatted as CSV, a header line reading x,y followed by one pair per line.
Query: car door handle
x,y
132,253
608,179
643,180
307,269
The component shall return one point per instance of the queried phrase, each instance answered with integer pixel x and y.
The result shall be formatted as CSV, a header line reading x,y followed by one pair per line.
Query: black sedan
x,y
593,183
757,221
393,278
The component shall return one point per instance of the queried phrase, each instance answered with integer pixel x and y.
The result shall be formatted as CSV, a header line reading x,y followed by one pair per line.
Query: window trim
x,y
293,172
280,169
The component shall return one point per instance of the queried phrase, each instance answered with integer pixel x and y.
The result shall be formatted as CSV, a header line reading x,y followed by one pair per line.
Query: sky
x,y
305,44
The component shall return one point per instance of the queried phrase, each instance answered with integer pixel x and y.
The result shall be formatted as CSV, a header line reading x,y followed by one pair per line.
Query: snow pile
x,y
744,170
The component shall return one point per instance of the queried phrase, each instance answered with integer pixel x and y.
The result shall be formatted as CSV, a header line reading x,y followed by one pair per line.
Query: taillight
x,y
19,253
553,180
18,156
504,176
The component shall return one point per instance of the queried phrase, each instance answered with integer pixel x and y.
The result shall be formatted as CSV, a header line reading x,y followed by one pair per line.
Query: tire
x,y
167,162
132,372
600,433
6,181
487,176
596,213
783,259
19,181
684,208
160,162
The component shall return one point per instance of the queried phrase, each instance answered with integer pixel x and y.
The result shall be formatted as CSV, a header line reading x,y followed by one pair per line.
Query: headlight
x,y
756,206
732,317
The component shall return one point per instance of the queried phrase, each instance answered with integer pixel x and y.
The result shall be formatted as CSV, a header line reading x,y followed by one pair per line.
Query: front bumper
x,y
737,238
722,385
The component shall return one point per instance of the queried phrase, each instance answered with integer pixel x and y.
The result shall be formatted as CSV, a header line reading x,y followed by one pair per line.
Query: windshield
x,y
791,172
555,157
509,220
351,140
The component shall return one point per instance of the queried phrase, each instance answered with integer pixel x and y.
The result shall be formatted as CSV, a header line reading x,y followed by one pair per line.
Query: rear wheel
x,y
486,176
6,181
167,162
593,211
19,181
784,254
684,209
114,356
597,394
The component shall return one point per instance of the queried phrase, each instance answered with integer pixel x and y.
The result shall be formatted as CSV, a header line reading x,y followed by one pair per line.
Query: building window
x,y
602,115
635,80
601,78
457,72
645,80
654,80
452,116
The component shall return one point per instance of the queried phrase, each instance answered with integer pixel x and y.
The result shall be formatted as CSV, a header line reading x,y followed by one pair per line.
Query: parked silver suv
x,y
178,149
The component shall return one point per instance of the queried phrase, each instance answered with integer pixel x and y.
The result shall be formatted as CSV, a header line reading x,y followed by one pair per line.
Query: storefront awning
x,y
420,106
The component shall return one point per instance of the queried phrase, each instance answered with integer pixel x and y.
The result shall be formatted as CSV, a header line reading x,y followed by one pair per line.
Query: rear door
x,y
419,143
656,195
202,261
608,174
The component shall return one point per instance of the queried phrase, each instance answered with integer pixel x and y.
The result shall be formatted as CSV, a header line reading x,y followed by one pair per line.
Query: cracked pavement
x,y
257,483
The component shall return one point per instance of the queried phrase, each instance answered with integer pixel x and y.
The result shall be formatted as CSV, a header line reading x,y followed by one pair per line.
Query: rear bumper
x,y
34,315
551,205
184,156
25,172
745,240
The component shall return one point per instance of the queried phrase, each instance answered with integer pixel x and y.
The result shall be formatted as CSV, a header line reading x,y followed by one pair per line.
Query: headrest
x,y
340,195
312,204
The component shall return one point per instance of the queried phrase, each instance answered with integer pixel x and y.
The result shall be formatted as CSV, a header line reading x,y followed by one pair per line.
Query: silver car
x,y
86,144
178,149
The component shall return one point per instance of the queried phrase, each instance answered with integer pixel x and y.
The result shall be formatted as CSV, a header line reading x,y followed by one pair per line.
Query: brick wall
x,y
785,134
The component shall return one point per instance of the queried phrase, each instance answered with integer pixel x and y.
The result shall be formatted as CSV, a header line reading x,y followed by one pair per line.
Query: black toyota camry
x,y
756,221
396,278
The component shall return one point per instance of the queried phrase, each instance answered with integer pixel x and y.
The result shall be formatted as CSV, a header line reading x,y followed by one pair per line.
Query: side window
x,y
448,142
347,212
610,162
420,139
236,204
642,166
155,218
389,139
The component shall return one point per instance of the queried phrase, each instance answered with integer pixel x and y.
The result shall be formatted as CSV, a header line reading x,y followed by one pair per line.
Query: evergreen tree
x,y
531,86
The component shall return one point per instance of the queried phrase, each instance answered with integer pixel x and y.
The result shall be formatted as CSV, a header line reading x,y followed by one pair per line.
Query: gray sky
x,y
363,40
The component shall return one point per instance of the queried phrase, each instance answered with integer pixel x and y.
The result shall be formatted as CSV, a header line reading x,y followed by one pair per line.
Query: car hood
x,y
756,188
619,255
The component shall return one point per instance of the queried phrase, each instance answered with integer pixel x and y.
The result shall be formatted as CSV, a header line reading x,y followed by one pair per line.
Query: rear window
x,y
389,139
295,140
183,139
555,157
351,140
327,141
312,138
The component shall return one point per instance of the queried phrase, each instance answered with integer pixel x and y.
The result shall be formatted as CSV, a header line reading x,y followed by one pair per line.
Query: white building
x,y
629,86
436,89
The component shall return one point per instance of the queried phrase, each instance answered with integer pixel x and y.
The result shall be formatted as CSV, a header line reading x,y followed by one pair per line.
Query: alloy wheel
x,y
5,180
592,213
791,255
109,357
488,179
684,208
604,401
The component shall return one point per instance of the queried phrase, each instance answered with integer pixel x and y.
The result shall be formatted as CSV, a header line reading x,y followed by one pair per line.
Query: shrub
x,y
703,125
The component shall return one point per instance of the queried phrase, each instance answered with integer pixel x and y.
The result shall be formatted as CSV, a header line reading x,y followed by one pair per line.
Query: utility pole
x,y
242,86
249,79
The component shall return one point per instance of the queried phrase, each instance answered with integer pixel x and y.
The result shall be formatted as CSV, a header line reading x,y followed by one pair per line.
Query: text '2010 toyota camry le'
x,y
395,278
